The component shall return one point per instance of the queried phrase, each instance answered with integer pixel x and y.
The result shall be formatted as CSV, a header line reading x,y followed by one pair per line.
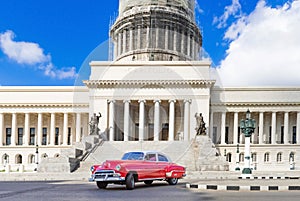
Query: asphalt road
x,y
158,191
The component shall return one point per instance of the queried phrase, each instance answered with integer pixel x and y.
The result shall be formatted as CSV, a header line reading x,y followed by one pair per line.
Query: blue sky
x,y
63,35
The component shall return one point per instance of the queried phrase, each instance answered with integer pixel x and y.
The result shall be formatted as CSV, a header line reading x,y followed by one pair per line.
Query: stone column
x,y
261,128
223,125
119,44
40,129
13,129
124,40
142,120
65,129
286,128
175,40
111,120
156,119
126,119
157,37
130,40
186,126
167,38
298,128
1,128
138,41
78,127
211,126
273,132
26,129
235,127
52,129
171,119
188,45
148,37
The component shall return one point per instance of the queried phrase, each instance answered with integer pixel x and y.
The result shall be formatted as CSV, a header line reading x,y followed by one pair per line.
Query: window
x,y
8,136
19,159
162,158
241,158
279,157
20,136
32,136
69,135
228,157
294,140
254,157
266,157
150,157
227,135
282,135
44,140
292,157
56,136
31,159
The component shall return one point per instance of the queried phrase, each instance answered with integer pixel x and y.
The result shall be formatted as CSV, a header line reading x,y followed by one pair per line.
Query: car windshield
x,y
133,156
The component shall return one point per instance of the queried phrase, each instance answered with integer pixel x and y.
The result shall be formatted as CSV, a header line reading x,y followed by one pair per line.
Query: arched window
x,y
228,157
31,159
267,157
292,157
18,159
241,157
254,157
279,157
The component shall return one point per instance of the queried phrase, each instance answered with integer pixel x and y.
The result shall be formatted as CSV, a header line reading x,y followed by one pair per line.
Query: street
x,y
82,190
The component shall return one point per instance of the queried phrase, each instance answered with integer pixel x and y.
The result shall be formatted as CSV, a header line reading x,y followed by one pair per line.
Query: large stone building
x,y
151,92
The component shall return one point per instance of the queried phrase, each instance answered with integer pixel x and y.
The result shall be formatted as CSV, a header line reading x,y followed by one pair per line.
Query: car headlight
x,y
118,167
92,169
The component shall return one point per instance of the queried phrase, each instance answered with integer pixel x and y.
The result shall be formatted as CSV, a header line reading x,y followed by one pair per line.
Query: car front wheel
x,y
130,182
172,181
101,185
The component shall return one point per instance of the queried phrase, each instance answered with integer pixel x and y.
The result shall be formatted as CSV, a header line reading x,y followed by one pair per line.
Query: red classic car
x,y
141,166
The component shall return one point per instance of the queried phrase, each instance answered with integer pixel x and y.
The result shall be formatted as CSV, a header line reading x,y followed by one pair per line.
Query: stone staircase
x,y
199,154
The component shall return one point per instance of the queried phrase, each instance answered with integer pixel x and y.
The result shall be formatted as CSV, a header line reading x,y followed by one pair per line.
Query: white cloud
x,y
264,48
22,52
32,54
232,10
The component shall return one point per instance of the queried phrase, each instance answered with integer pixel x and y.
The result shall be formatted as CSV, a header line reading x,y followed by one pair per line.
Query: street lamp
x,y
247,127
5,159
237,157
37,155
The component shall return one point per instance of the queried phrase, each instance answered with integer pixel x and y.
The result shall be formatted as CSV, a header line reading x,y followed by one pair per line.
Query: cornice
x,y
257,104
148,83
45,105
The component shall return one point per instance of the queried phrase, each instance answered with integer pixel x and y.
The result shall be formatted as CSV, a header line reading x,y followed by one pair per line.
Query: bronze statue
x,y
94,130
200,129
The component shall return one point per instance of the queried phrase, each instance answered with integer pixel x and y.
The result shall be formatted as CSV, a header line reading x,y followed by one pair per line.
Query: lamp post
x,y
247,127
5,159
37,155
237,157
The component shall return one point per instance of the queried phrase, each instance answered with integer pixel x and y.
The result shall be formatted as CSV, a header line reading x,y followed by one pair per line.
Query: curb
x,y
242,188
268,177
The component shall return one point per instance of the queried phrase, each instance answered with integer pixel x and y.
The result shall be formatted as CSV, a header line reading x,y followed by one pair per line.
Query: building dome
x,y
158,30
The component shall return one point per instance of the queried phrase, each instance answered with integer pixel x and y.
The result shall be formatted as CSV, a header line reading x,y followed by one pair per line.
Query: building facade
x,y
151,91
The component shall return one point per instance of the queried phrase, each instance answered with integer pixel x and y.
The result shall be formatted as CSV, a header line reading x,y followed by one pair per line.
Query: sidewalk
x,y
234,181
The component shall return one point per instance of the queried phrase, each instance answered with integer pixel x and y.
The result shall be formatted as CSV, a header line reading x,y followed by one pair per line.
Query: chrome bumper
x,y
106,175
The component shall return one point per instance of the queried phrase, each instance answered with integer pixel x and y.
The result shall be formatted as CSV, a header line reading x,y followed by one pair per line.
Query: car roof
x,y
150,152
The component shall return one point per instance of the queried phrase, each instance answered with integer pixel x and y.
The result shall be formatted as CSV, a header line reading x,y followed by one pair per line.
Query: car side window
x,y
150,157
162,158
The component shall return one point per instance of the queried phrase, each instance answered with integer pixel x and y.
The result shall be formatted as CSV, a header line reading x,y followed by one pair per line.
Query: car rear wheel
x,y
101,185
172,181
130,182
148,182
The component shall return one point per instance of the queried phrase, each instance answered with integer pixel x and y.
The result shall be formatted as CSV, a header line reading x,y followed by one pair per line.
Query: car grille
x,y
102,174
